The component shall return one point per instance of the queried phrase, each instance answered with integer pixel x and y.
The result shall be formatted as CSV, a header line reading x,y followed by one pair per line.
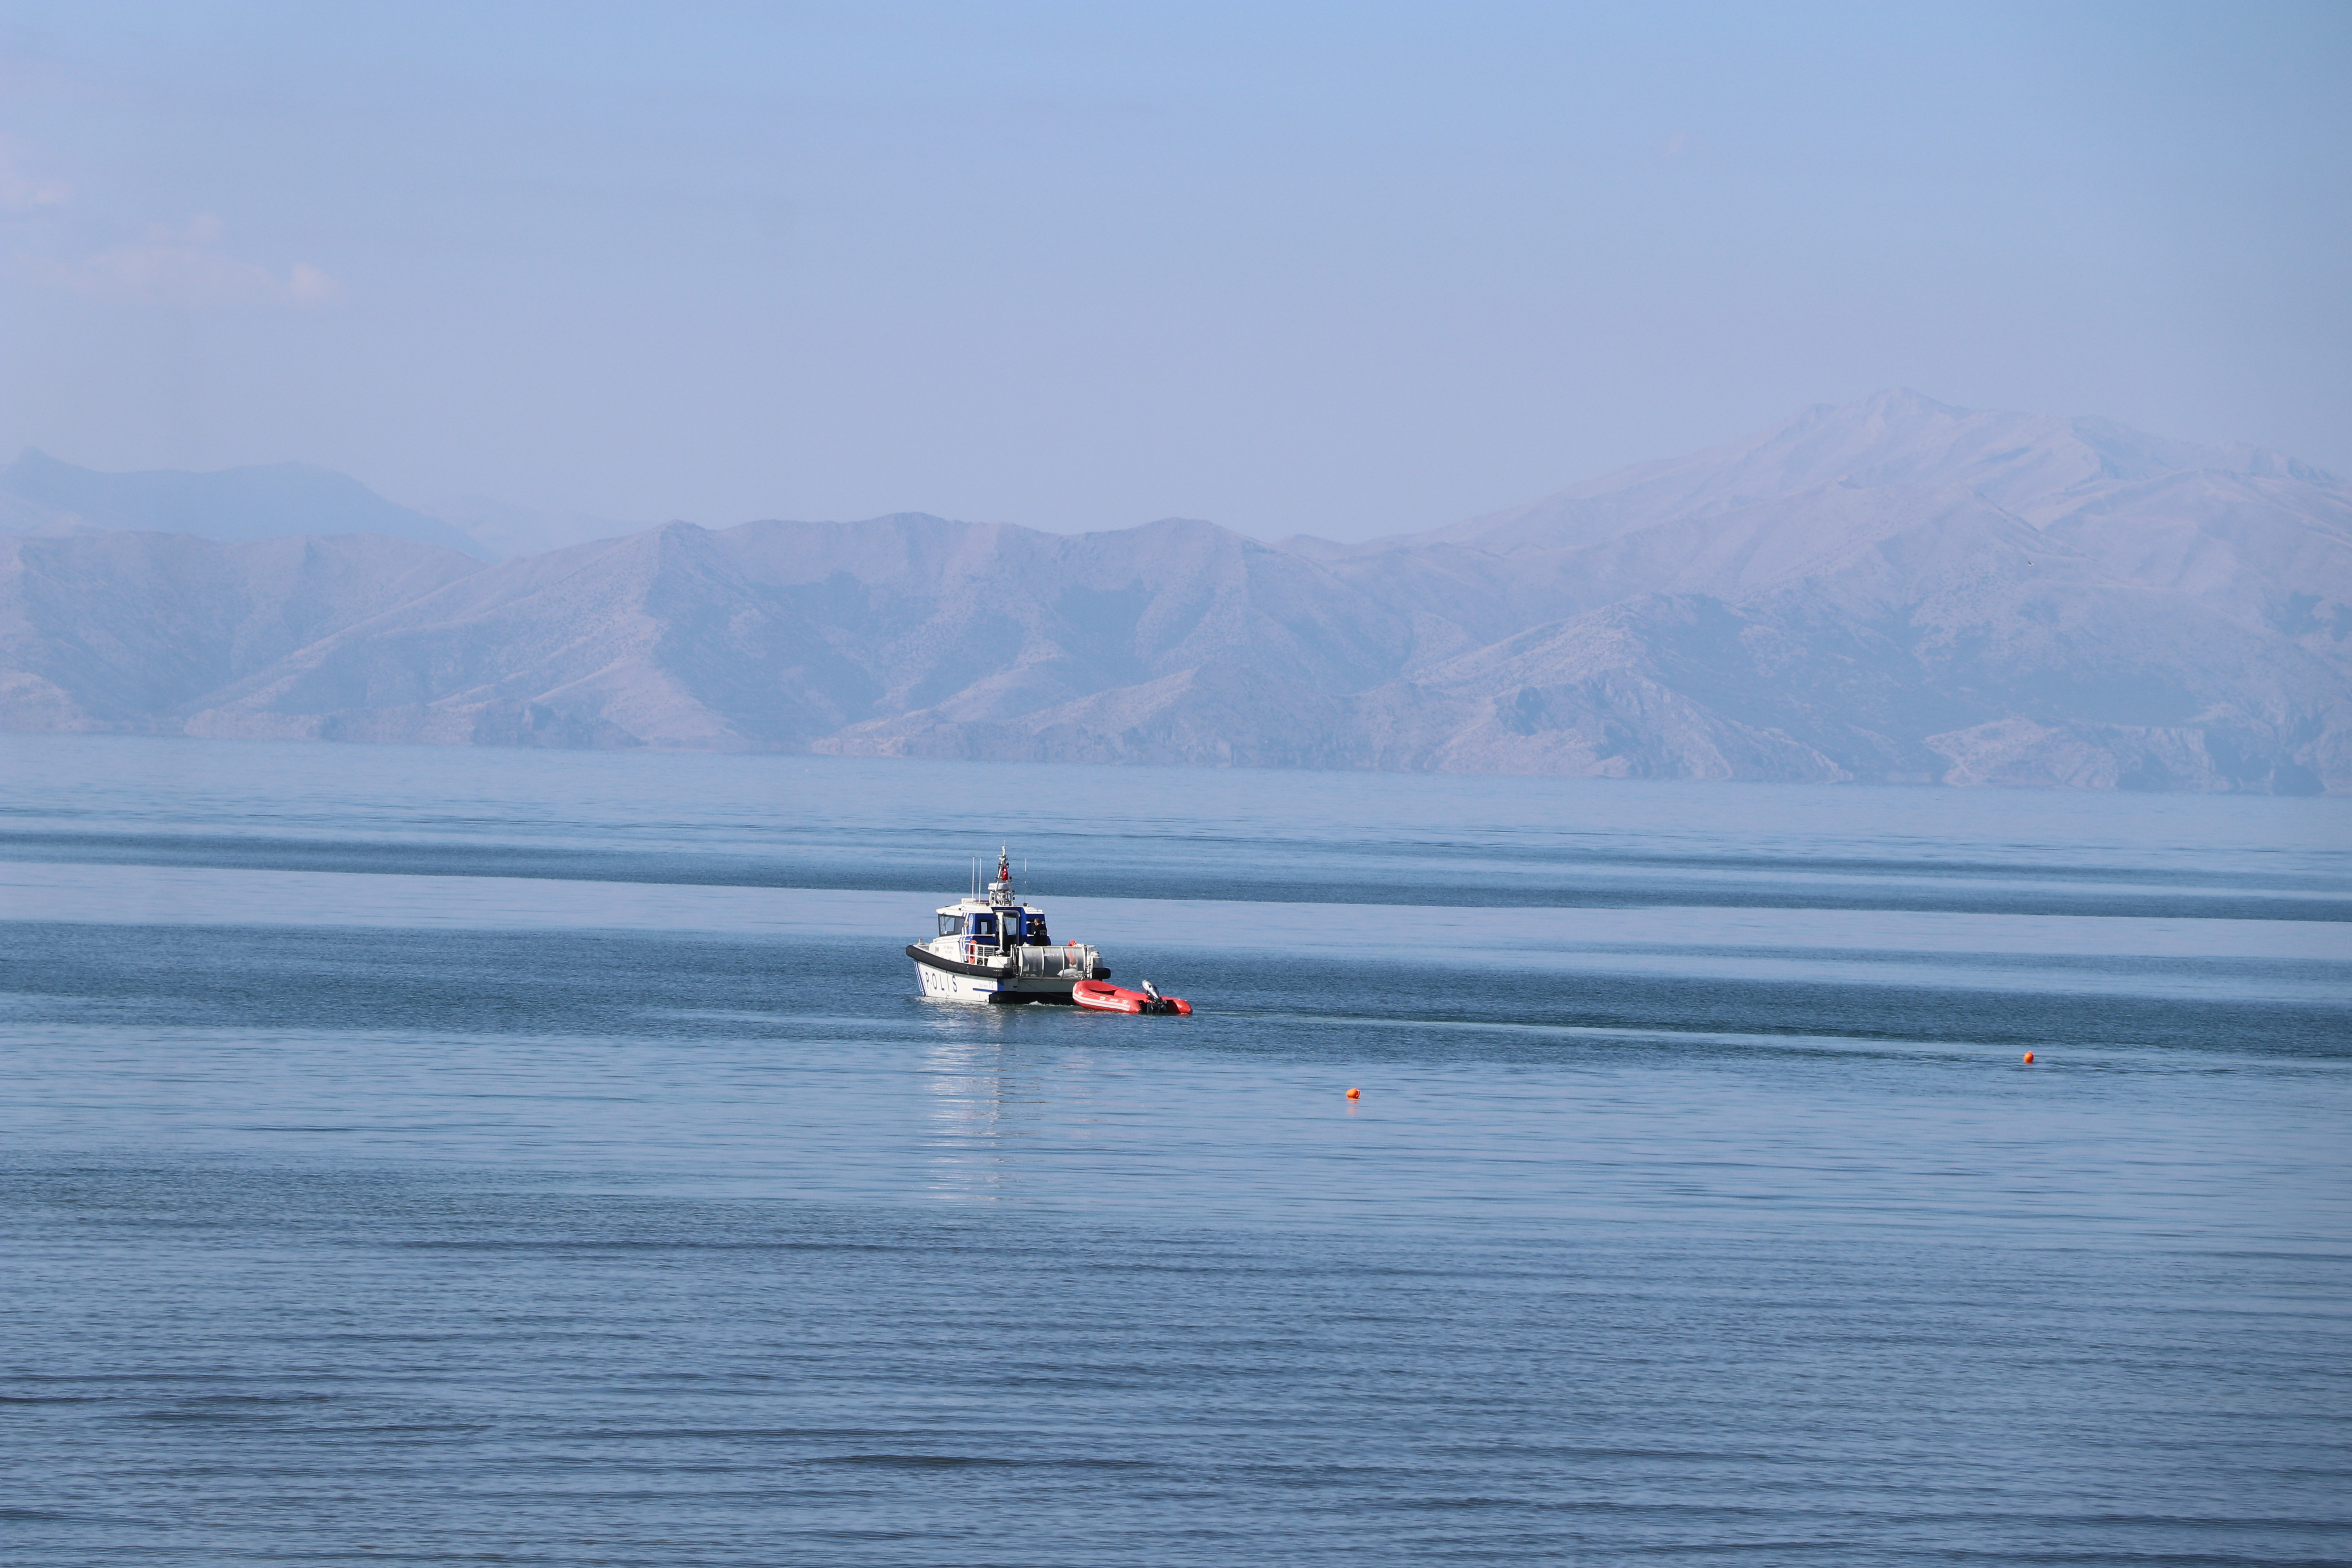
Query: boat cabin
x,y
996,925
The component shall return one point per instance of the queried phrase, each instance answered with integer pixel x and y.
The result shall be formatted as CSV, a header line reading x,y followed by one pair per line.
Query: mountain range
x,y
41,497
1891,590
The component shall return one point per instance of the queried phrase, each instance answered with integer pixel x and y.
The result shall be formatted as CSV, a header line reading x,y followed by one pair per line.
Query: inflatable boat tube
x,y
1108,998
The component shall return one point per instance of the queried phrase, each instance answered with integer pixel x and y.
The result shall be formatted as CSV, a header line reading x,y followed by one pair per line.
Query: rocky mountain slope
x,y
129,632
1891,590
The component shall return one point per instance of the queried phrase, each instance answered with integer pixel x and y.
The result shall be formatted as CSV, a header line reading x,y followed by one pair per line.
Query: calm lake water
x,y
425,1156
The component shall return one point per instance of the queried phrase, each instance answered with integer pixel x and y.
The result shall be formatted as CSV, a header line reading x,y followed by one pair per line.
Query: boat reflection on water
x,y
982,1097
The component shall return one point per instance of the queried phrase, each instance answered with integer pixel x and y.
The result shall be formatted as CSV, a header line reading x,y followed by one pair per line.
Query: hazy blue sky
x,y
1347,269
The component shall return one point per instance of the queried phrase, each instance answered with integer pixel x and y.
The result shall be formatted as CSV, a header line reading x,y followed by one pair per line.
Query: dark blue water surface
x,y
427,1156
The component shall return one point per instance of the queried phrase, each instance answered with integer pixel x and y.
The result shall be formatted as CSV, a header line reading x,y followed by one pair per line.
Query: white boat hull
x,y
949,979
938,984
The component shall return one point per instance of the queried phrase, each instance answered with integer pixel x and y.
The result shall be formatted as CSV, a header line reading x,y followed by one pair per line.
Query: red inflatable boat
x,y
1109,998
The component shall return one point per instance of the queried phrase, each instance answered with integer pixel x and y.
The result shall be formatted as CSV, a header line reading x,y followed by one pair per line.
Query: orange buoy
x,y
2028,1058
1355,1094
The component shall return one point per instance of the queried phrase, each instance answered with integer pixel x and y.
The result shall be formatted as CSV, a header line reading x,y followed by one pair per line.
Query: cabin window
x,y
950,925
984,925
